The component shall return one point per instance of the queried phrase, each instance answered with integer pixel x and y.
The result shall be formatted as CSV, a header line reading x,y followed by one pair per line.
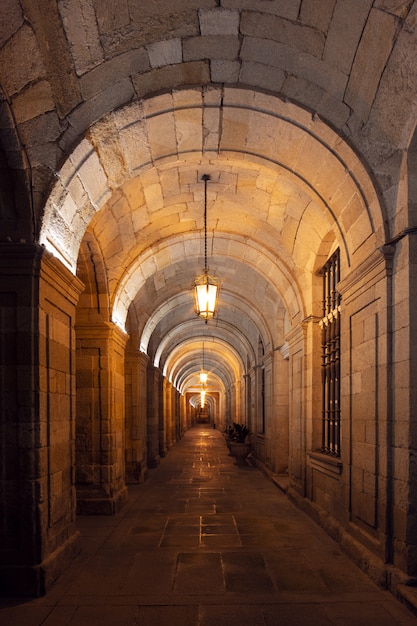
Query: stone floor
x,y
207,542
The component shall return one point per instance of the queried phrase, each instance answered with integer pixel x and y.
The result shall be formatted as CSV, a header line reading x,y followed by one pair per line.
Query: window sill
x,y
325,463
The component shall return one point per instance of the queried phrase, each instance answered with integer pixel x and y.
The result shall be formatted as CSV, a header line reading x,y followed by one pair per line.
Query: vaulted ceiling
x,y
282,195
111,112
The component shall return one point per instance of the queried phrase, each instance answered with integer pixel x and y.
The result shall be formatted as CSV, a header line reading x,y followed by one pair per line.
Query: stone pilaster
x,y
101,487
384,302
252,399
177,414
246,397
171,414
367,424
38,298
184,414
136,412
296,458
153,416
312,383
280,438
411,533
169,424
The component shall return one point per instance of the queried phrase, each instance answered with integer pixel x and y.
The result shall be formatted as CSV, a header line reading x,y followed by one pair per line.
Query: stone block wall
x,y
37,419
154,445
404,428
136,415
296,458
101,487
366,419
364,497
367,492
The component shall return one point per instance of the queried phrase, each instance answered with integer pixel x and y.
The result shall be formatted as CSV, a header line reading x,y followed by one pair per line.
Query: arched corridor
x,y
209,542
146,147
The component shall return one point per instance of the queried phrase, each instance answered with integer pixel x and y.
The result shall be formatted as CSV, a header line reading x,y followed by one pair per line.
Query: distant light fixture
x,y
203,398
203,373
203,381
205,285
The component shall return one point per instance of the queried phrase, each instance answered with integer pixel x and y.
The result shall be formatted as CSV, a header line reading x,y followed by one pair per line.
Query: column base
x,y
154,461
36,580
136,472
93,505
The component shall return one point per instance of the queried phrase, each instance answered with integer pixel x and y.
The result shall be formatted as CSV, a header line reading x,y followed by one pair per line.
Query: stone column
x,y
38,298
153,380
184,415
177,415
258,412
411,515
136,415
233,403
228,407
168,405
259,399
101,487
172,425
253,399
269,430
162,431
247,400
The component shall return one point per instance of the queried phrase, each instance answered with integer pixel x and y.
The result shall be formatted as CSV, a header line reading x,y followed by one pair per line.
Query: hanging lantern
x,y
206,296
205,285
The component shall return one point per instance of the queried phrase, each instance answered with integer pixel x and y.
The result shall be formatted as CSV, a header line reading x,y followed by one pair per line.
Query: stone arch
x,y
227,246
99,113
412,247
17,216
86,182
285,188
312,59
94,302
412,182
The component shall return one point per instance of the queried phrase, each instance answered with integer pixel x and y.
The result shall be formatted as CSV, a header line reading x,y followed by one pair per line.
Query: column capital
x,y
102,331
31,259
367,273
296,334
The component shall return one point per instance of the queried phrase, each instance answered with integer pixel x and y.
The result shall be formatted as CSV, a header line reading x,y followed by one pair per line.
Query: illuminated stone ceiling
x,y
278,101
274,216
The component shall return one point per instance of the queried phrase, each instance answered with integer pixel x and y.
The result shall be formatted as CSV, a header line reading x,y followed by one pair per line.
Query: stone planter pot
x,y
239,450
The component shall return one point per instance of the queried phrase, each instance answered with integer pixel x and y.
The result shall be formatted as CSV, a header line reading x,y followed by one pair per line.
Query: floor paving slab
x,y
205,541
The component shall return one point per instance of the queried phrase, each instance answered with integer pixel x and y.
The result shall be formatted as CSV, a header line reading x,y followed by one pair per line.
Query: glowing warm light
x,y
56,251
206,296
118,322
205,286
203,398
203,377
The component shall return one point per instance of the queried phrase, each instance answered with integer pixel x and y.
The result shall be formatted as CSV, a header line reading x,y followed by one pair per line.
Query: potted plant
x,y
239,444
229,433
